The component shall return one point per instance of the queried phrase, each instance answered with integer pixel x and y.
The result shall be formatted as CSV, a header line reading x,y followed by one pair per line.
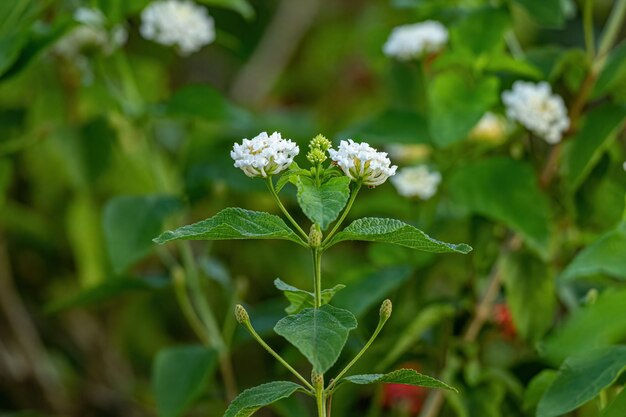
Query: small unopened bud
x,y
385,309
320,142
315,237
316,156
241,314
317,380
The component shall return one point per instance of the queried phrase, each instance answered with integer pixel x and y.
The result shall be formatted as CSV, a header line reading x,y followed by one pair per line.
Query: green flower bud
x,y
320,142
316,156
241,314
315,236
385,310
317,380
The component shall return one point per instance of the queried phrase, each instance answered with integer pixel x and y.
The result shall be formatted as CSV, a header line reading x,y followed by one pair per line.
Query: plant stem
x,y
270,185
353,195
321,403
612,29
272,352
588,28
317,279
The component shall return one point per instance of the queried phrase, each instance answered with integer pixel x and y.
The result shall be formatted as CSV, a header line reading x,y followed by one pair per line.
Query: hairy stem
x,y
270,185
344,214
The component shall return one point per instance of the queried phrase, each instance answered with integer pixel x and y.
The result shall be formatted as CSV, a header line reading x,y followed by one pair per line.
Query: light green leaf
x,y
505,190
617,406
130,222
547,12
180,375
597,325
322,205
481,31
319,334
607,256
234,223
301,299
506,63
530,294
613,71
457,103
249,401
580,379
590,141
372,229
401,376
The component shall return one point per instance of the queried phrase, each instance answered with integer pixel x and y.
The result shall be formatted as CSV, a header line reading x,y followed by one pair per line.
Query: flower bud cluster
x,y
537,109
417,181
318,147
264,155
182,24
407,42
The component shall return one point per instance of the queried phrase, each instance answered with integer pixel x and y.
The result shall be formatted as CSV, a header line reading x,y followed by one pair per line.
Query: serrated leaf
x,y
180,375
300,299
373,229
233,223
319,334
505,190
607,256
401,376
323,204
130,222
580,379
249,401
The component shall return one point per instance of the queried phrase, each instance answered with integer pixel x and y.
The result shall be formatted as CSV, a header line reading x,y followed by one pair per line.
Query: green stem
x,y
612,28
272,352
588,28
317,279
344,214
381,324
321,403
270,185
514,46
185,305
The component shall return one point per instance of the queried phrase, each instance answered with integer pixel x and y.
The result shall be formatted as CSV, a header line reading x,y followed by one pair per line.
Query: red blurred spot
x,y
504,320
404,397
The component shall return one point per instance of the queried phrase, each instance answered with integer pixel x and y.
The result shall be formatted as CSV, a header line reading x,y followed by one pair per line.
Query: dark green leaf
x,y
537,387
249,401
319,334
590,141
547,12
507,191
394,231
300,299
180,375
130,222
607,255
481,31
457,103
401,376
580,379
322,205
234,223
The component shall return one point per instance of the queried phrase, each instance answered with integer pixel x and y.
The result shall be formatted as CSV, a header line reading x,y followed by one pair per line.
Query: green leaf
x,y
372,229
613,71
234,223
130,222
401,376
530,294
180,375
240,6
481,31
319,334
547,12
606,256
507,191
322,205
457,103
617,406
300,299
391,126
590,141
600,324
249,401
580,379
537,387
508,64
206,103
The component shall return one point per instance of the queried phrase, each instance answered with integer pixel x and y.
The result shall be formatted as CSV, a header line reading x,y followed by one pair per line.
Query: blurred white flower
x,y
361,162
182,24
408,153
537,109
264,155
491,127
411,41
417,181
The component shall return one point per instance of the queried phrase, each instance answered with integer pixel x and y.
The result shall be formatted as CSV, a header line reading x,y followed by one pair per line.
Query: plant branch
x,y
353,195
270,185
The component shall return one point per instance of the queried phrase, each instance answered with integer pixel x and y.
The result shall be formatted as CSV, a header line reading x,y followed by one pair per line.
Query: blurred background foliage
x,y
101,150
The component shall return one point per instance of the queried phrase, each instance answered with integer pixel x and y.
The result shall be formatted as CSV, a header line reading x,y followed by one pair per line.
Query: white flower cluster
x,y
417,181
183,24
264,155
411,41
361,162
91,34
537,109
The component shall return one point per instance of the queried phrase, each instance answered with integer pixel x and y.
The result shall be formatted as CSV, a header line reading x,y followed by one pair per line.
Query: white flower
x,y
417,181
183,24
411,41
537,109
264,155
361,162
490,127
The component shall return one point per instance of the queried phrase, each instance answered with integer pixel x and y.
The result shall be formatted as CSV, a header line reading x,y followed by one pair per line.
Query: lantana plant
x,y
326,192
